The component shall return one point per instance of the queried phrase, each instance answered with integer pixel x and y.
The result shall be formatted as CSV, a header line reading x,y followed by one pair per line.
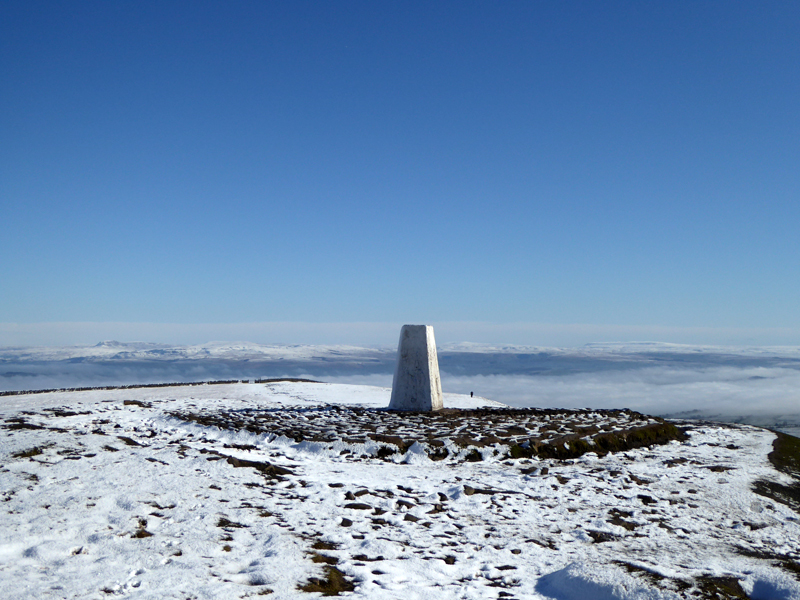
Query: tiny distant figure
x,y
470,394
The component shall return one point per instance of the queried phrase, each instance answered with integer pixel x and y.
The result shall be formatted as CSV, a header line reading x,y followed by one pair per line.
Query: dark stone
x,y
263,467
601,536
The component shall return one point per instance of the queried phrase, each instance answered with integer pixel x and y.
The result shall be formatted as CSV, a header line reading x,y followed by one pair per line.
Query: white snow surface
x,y
77,511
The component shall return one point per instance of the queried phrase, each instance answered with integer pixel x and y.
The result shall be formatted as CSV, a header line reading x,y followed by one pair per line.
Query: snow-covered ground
x,y
108,494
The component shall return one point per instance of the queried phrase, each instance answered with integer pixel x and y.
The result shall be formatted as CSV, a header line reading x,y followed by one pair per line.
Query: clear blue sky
x,y
603,163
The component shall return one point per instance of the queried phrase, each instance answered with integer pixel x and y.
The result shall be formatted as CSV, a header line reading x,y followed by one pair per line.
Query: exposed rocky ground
x,y
544,433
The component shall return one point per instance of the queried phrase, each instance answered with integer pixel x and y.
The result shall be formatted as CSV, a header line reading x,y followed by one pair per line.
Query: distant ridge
x,y
155,385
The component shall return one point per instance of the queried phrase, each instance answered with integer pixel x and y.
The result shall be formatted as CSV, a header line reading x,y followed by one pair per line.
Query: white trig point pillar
x,y
416,384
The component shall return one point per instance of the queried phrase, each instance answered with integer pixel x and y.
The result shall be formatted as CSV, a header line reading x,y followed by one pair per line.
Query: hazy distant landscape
x,y
758,386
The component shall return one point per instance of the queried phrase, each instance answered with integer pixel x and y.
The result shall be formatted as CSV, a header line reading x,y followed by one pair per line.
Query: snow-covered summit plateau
x,y
293,490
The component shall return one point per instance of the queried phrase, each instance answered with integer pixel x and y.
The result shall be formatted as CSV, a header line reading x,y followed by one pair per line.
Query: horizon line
x,y
384,333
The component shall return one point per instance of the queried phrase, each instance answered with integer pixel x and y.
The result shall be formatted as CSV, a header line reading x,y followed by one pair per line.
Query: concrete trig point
x,y
416,384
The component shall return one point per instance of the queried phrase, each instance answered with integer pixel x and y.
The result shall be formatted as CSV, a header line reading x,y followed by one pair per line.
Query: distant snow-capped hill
x,y
148,351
